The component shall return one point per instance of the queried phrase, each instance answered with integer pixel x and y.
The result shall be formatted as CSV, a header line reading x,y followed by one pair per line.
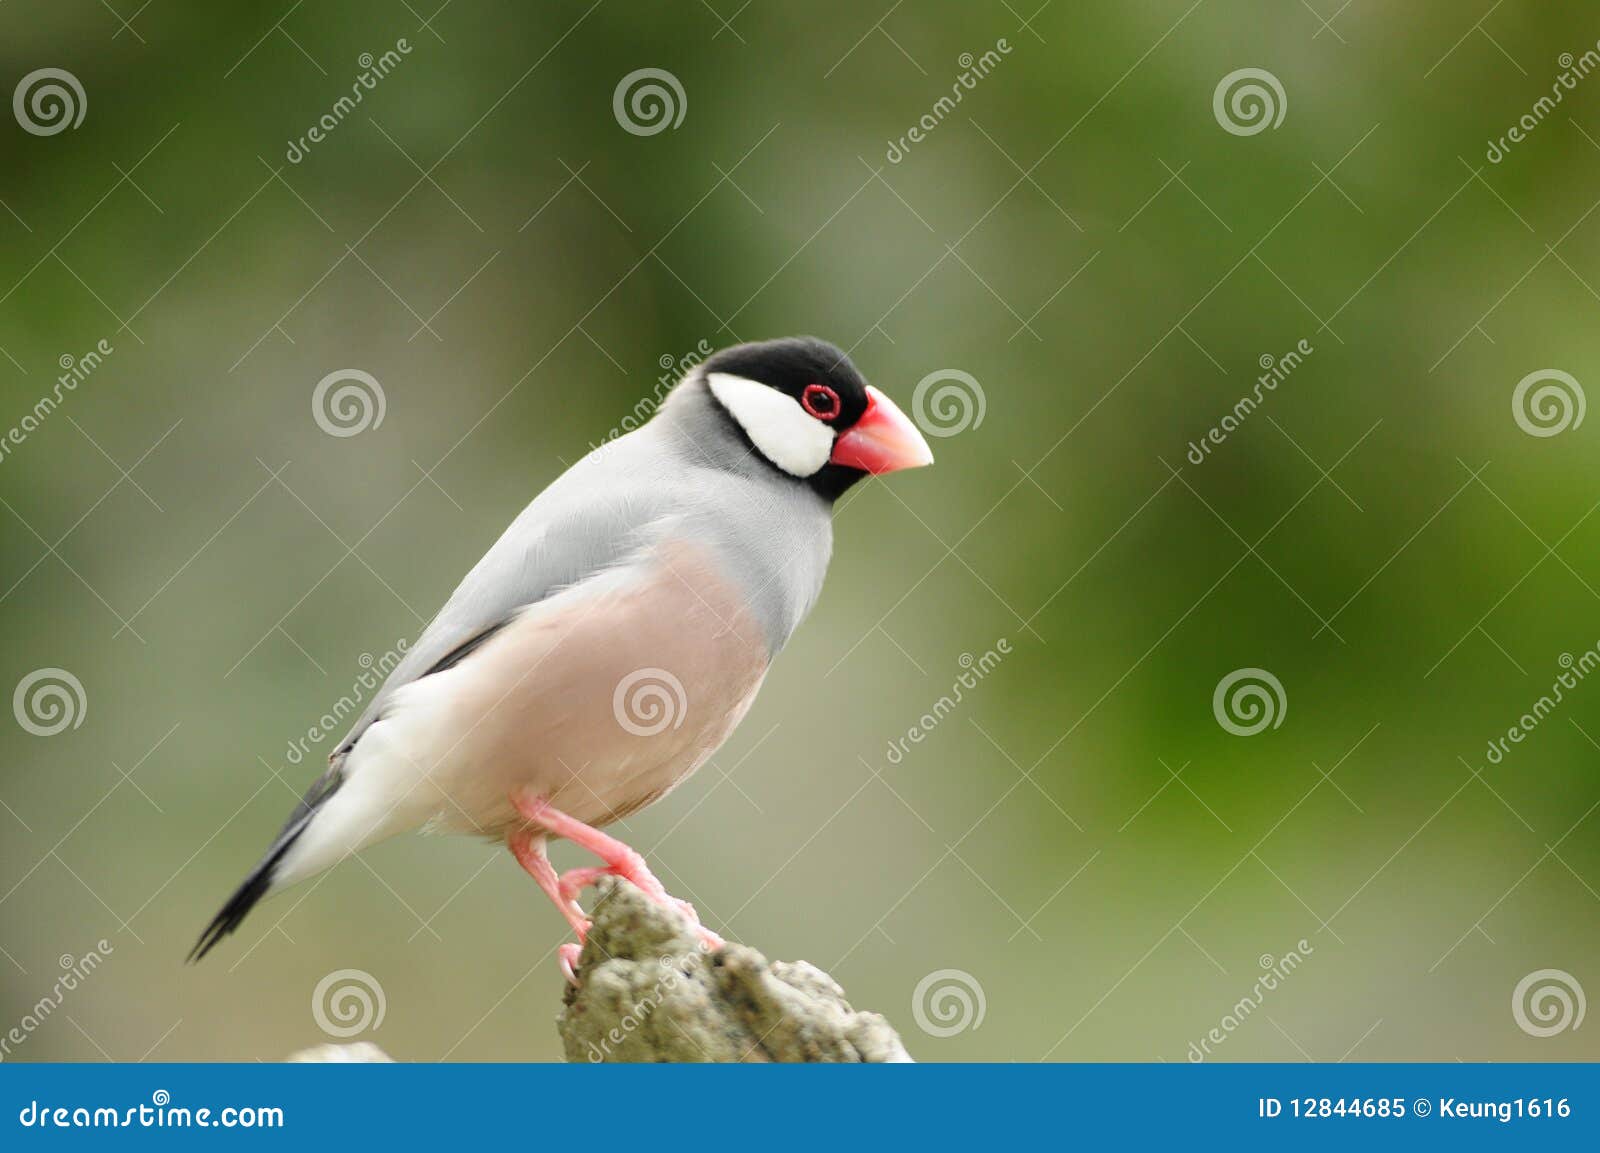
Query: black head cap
x,y
791,364
816,374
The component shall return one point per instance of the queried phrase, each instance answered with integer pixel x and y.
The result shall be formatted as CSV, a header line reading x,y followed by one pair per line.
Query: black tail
x,y
259,882
244,898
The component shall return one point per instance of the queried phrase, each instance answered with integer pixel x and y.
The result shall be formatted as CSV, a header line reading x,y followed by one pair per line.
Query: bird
x,y
613,637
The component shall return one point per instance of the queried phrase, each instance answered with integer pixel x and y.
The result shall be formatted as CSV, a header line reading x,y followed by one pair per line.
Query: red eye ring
x,y
820,401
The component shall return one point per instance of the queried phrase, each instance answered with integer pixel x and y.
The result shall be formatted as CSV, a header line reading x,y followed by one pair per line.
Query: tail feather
x,y
244,898
259,883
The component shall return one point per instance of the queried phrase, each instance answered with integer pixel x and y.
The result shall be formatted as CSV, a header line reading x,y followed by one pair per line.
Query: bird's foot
x,y
620,861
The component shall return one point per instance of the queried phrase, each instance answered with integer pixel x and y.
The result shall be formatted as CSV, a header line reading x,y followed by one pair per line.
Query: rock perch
x,y
649,992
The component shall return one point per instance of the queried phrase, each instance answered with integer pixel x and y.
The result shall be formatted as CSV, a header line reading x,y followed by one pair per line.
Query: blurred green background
x,y
1083,237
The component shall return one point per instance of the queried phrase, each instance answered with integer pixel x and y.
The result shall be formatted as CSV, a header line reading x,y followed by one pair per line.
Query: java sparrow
x,y
614,636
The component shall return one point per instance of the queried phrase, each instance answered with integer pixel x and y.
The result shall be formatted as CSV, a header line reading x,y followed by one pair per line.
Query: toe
x,y
568,955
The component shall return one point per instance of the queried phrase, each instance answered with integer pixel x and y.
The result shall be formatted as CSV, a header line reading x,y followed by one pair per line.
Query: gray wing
x,y
587,521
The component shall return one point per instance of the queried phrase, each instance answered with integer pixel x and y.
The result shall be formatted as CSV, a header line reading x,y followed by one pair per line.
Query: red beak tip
x,y
883,440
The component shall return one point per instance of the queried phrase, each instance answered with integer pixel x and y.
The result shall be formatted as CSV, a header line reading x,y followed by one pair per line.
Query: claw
x,y
568,955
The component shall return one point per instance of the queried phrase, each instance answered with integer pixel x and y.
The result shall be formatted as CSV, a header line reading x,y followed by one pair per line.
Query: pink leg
x,y
528,846
620,860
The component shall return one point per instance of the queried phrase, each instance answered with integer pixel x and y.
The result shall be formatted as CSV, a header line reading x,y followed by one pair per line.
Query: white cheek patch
x,y
776,424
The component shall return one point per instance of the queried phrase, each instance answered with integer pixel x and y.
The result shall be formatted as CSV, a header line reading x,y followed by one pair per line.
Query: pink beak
x,y
882,440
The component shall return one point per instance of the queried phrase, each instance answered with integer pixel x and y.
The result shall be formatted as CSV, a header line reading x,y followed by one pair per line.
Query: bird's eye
x,y
820,401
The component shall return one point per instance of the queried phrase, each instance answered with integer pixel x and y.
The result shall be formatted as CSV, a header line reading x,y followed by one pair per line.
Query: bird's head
x,y
807,412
